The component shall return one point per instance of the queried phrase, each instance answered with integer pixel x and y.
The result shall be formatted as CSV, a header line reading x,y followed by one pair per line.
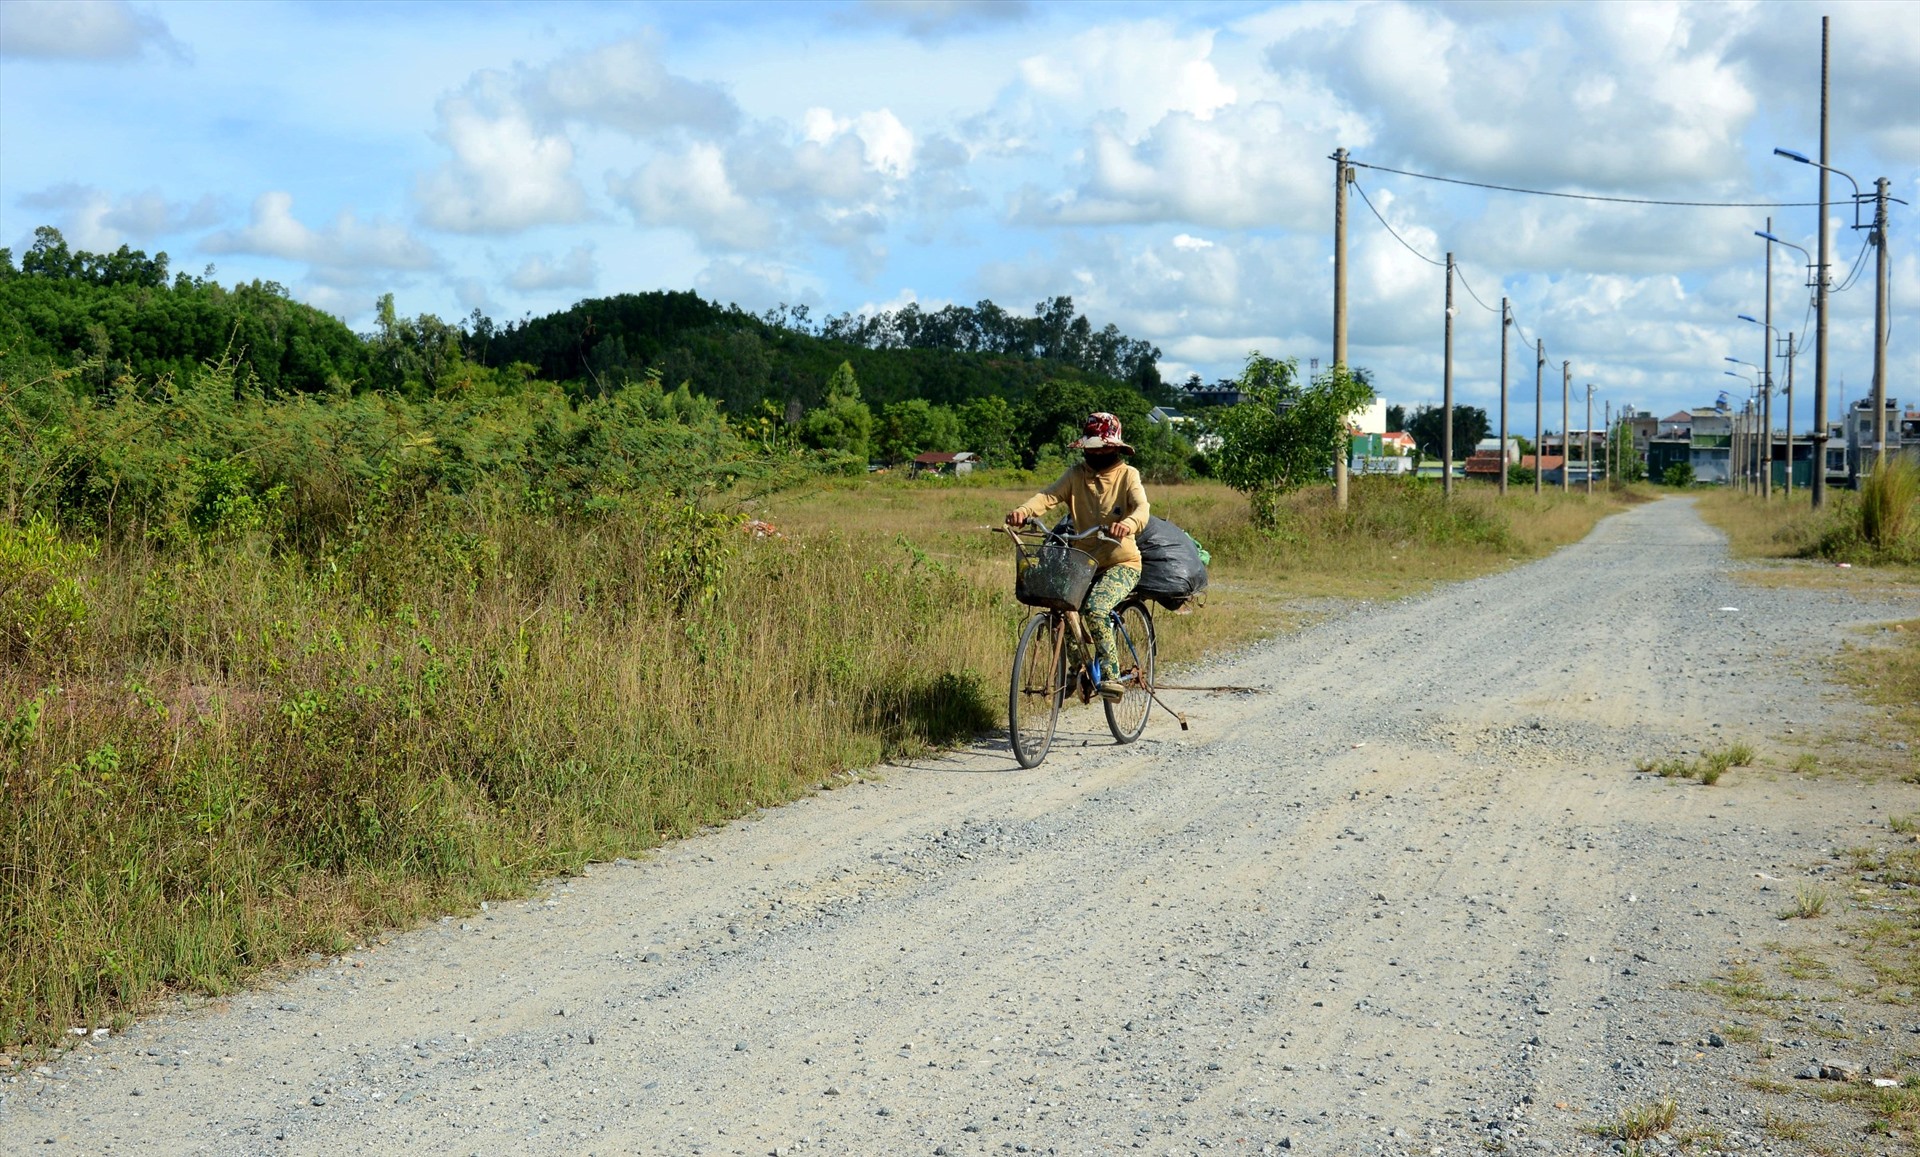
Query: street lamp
x,y
1878,238
1766,405
1806,160
1765,236
1820,284
1819,420
1736,448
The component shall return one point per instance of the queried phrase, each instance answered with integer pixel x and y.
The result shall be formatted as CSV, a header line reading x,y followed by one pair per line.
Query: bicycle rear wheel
x,y
1034,692
1133,640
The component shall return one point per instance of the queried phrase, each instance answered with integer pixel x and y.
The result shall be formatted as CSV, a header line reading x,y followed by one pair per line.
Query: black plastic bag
x,y
1172,570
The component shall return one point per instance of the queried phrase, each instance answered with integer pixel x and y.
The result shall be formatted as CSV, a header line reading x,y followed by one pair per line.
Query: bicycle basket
x,y
1053,575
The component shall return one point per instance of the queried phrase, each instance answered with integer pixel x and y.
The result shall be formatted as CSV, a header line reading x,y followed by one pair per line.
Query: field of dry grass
x,y
234,754
1393,541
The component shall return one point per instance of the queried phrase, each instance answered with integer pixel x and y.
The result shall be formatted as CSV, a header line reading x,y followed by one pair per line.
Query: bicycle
x,y
1055,656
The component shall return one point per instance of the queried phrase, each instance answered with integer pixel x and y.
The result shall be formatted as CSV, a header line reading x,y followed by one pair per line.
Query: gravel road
x,y
1410,897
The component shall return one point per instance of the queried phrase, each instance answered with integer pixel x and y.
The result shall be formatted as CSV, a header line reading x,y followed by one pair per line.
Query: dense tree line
x,y
1054,333
1010,387
122,315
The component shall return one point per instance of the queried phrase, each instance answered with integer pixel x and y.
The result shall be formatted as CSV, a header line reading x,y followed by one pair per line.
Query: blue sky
x,y
1163,164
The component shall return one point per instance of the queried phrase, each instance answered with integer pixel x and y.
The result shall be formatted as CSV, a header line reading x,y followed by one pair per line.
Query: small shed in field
x,y
945,462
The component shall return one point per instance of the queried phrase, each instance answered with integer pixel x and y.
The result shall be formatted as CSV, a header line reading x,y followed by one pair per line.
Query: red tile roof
x,y
1547,461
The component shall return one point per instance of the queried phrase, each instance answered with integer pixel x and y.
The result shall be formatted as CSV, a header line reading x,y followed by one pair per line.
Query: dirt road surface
x,y
1410,897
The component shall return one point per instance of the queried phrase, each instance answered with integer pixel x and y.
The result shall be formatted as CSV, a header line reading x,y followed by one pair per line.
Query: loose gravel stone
x,y
1333,917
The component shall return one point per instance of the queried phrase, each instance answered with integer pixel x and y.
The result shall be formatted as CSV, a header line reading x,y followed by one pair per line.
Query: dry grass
x,y
1640,1122
1384,547
242,760
1885,672
248,754
1860,530
1808,903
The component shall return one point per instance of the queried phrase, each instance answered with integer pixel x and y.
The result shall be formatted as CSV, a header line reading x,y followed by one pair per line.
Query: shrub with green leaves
x,y
42,606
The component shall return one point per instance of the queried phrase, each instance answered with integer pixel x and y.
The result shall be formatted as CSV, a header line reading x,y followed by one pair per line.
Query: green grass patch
x,y
1639,1122
1808,903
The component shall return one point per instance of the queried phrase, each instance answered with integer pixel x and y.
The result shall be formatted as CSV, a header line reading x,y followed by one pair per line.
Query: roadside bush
x,y
1887,501
259,754
42,607
1678,475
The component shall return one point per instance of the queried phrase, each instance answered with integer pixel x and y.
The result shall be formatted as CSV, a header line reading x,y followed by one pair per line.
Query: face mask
x,y
1102,461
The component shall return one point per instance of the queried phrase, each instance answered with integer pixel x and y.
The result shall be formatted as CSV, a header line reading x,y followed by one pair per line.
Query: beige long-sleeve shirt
x,y
1098,499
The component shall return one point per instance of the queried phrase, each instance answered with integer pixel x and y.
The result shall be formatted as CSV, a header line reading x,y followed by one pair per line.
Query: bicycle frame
x,y
1068,666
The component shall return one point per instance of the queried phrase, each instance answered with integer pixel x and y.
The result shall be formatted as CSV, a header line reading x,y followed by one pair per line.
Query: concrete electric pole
x,y
1341,174
1506,319
1446,394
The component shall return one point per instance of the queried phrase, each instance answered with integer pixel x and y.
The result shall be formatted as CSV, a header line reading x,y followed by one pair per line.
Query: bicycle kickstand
x,y
1167,709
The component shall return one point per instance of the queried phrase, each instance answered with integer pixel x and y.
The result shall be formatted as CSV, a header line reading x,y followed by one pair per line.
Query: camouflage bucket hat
x,y
1102,432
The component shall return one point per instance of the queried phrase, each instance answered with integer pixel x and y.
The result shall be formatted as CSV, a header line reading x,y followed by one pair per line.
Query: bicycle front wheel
x,y
1034,692
1133,641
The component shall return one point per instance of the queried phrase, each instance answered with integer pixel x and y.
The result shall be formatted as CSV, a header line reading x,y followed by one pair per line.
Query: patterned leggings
x,y
1109,590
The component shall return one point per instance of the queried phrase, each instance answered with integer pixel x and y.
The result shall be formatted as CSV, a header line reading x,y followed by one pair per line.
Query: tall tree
x,y
1470,424
843,425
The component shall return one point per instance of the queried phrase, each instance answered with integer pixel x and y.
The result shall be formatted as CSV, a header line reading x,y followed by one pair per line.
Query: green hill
x,y
961,377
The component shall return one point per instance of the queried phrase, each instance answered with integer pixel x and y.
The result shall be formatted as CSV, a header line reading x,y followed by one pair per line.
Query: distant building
x,y
1218,394
1397,442
1492,446
1486,465
1642,427
945,462
1548,466
1370,419
1903,436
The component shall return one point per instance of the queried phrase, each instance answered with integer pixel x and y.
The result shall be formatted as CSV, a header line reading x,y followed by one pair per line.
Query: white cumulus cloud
x,y
576,270
506,173
344,251
94,219
692,190
82,30
625,86
1606,95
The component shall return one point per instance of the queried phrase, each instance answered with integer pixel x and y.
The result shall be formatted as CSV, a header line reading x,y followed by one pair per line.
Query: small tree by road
x,y
1283,435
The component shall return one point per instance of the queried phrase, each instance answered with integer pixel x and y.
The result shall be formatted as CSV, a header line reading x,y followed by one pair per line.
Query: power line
x,y
1592,196
1469,289
1854,273
1430,261
1389,228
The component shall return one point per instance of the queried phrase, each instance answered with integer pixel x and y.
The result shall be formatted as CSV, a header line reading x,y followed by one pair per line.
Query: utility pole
x,y
1565,426
1506,319
1820,297
1341,174
1586,441
1879,240
1789,491
1766,376
1607,448
1446,394
1737,453
1539,405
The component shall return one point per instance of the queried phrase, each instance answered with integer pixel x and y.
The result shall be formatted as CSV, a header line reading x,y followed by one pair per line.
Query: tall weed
x,y
254,754
1887,501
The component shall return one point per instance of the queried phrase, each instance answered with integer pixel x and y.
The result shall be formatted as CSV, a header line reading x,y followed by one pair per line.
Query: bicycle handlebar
x,y
1032,527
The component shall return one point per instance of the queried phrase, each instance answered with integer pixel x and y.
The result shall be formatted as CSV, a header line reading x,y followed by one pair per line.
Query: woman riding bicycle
x,y
1100,491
